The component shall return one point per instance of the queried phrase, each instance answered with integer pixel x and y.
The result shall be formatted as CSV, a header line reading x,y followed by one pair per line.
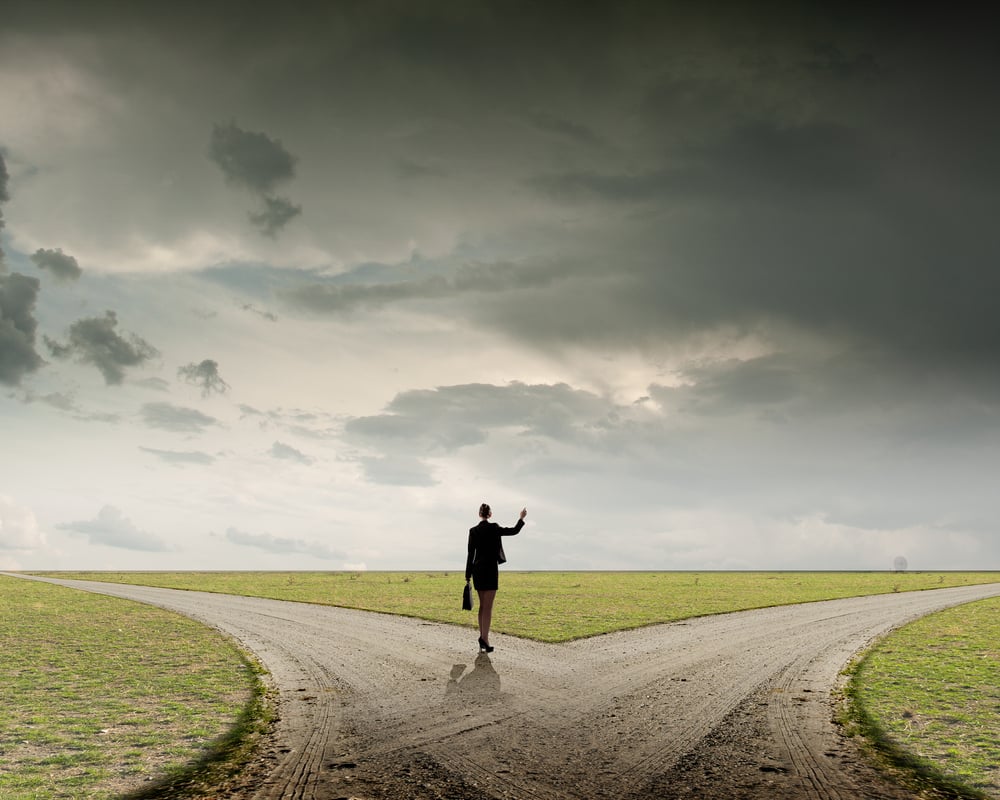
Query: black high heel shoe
x,y
483,647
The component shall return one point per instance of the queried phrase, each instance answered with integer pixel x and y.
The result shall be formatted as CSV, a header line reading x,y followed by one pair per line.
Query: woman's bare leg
x,y
486,598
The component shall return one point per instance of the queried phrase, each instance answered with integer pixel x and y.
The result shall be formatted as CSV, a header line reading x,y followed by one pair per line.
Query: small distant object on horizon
x,y
899,564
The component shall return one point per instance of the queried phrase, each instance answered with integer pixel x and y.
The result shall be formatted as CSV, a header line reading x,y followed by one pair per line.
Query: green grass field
x,y
100,696
553,606
557,607
928,696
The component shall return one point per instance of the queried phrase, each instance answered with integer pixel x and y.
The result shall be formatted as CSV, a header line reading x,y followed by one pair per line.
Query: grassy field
x,y
928,696
101,696
554,606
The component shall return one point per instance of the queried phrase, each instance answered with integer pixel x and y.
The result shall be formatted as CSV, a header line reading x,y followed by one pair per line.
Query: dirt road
x,y
732,706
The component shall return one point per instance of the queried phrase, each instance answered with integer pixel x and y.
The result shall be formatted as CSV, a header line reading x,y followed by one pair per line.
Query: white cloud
x,y
178,419
283,545
113,529
398,471
19,529
180,457
289,453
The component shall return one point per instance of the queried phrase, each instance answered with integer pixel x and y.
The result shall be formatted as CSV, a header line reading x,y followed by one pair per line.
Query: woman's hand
x,y
524,513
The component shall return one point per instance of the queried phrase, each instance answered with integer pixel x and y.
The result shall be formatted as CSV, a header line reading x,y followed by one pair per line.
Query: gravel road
x,y
730,706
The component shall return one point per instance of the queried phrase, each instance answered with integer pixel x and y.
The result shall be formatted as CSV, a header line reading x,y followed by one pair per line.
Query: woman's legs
x,y
486,597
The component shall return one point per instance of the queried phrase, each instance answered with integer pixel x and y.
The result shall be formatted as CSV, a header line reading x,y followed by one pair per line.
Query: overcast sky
x,y
301,288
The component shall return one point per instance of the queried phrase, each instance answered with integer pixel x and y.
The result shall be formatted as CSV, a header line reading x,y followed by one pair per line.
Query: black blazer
x,y
485,545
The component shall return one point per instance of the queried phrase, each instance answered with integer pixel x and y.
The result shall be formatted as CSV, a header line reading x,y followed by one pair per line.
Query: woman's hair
x,y
484,510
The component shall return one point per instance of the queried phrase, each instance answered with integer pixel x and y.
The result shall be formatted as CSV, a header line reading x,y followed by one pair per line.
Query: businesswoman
x,y
485,554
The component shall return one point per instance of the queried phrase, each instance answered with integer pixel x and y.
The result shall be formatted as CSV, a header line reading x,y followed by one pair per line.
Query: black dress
x,y
486,552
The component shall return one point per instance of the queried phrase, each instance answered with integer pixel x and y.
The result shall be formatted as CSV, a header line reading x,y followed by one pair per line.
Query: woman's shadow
x,y
482,685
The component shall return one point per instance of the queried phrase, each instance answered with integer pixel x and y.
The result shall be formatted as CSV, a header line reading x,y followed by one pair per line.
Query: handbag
x,y
467,598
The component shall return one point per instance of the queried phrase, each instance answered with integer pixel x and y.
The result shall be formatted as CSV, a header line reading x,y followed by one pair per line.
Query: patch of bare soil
x,y
377,707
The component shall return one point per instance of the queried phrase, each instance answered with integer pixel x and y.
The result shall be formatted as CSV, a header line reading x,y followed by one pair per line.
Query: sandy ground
x,y
730,706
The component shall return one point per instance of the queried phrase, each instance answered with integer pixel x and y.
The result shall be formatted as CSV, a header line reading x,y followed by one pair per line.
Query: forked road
x,y
735,706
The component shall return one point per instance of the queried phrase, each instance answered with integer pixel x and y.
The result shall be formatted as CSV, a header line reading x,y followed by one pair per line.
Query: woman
x,y
485,553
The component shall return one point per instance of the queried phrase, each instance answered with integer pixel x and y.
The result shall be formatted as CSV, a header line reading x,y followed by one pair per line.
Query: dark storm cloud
x,y
4,179
567,129
277,213
18,296
282,545
469,279
94,340
18,357
180,457
763,161
410,169
113,529
256,162
206,375
768,158
939,408
250,159
786,181
344,298
613,187
827,170
63,267
816,224
828,58
177,419
819,186
4,197
767,384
